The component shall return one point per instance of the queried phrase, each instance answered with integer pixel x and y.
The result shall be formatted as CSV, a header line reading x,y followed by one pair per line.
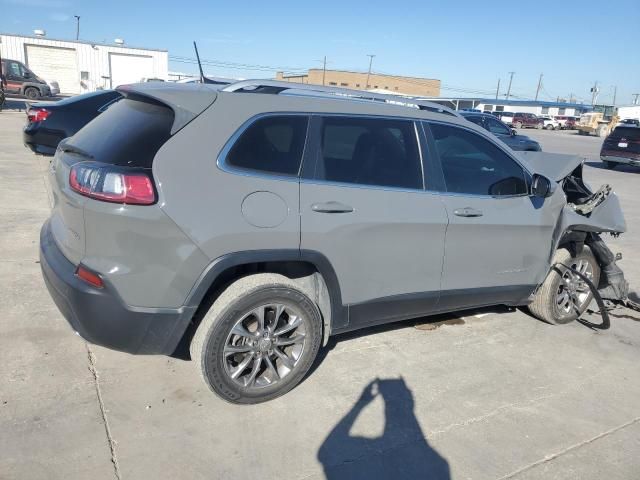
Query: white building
x,y
629,111
80,66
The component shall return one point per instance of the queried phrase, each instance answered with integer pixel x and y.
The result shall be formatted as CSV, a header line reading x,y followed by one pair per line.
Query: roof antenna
x,y
204,79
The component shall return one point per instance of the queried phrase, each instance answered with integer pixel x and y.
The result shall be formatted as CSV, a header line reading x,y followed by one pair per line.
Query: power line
x,y
235,65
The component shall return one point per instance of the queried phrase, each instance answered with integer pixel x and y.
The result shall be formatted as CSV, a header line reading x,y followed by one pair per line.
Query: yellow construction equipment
x,y
596,123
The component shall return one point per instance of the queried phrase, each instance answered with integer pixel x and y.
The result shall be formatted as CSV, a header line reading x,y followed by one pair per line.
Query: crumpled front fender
x,y
605,218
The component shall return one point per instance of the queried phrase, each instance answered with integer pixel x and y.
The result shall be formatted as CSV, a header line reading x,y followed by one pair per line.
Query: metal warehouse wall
x,y
538,110
91,58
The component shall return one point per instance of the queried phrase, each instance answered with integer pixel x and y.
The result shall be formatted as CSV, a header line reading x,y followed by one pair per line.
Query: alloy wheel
x,y
573,292
264,345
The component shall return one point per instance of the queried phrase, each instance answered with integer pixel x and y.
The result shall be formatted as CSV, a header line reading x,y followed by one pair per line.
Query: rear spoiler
x,y
186,100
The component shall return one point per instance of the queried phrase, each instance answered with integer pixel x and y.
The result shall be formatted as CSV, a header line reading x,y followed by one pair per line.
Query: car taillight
x,y
38,114
110,184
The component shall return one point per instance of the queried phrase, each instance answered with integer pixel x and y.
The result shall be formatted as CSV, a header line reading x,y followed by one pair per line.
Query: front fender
x,y
605,218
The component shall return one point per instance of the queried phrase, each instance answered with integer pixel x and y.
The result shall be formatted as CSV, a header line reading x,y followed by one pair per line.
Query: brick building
x,y
357,80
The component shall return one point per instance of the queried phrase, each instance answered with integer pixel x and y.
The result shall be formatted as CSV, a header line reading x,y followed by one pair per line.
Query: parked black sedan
x,y
50,122
502,131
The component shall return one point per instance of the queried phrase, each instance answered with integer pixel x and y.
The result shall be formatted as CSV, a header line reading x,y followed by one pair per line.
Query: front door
x,y
498,240
363,205
15,76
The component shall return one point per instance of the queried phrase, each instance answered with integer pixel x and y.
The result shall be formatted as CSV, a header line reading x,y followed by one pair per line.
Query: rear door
x,y
498,239
363,205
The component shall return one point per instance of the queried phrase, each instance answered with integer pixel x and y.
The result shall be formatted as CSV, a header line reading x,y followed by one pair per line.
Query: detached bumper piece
x,y
100,316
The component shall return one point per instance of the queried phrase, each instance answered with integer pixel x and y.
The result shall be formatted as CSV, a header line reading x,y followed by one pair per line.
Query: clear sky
x,y
467,44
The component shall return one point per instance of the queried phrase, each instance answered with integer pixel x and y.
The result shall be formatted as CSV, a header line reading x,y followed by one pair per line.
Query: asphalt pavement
x,y
488,394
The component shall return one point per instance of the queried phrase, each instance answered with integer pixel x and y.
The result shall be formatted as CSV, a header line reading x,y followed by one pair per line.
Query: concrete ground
x,y
493,394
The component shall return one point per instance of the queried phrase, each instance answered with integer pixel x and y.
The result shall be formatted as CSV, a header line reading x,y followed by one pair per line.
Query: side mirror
x,y
514,132
541,186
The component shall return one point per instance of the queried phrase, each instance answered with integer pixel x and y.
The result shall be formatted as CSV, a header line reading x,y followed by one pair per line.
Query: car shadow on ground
x,y
401,452
619,168
431,322
14,104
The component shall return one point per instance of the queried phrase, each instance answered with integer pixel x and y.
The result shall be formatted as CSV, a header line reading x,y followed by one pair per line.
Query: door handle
x,y
331,207
467,212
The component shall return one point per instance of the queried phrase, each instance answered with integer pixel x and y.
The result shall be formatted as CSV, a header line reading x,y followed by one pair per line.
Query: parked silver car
x,y
253,221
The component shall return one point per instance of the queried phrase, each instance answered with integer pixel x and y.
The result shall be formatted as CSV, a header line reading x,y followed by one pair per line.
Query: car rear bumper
x,y
38,141
98,314
625,160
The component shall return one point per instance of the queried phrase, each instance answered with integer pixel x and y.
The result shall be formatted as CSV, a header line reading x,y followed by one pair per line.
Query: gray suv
x,y
252,221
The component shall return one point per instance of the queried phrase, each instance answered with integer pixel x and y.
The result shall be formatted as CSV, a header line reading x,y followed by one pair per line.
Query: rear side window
x,y
473,165
369,151
130,133
496,127
475,119
272,144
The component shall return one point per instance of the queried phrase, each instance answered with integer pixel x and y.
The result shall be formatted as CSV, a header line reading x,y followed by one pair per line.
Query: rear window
x,y
92,99
129,133
630,133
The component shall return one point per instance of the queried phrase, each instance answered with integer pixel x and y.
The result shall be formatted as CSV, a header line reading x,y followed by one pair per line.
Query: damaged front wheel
x,y
564,296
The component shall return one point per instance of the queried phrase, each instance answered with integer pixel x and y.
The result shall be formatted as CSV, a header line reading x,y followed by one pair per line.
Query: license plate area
x,y
623,144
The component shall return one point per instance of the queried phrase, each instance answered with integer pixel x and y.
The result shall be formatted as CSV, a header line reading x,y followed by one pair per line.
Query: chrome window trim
x,y
486,135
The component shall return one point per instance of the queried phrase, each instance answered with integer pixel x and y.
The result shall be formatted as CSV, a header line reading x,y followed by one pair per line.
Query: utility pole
x,y
366,85
324,69
539,85
510,80
635,98
594,93
498,89
77,26
615,94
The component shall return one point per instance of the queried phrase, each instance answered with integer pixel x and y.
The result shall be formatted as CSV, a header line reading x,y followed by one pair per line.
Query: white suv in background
x,y
550,123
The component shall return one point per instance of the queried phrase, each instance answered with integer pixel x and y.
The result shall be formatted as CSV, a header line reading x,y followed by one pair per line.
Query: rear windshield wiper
x,y
67,148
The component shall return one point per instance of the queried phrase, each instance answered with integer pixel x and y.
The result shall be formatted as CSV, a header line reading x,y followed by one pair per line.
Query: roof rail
x,y
275,87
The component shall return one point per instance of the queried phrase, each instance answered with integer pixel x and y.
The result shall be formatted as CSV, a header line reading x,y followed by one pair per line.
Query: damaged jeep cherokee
x,y
251,222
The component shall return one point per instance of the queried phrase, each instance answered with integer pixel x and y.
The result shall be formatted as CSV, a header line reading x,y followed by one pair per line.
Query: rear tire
x,y
32,93
518,125
549,127
550,301
262,364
